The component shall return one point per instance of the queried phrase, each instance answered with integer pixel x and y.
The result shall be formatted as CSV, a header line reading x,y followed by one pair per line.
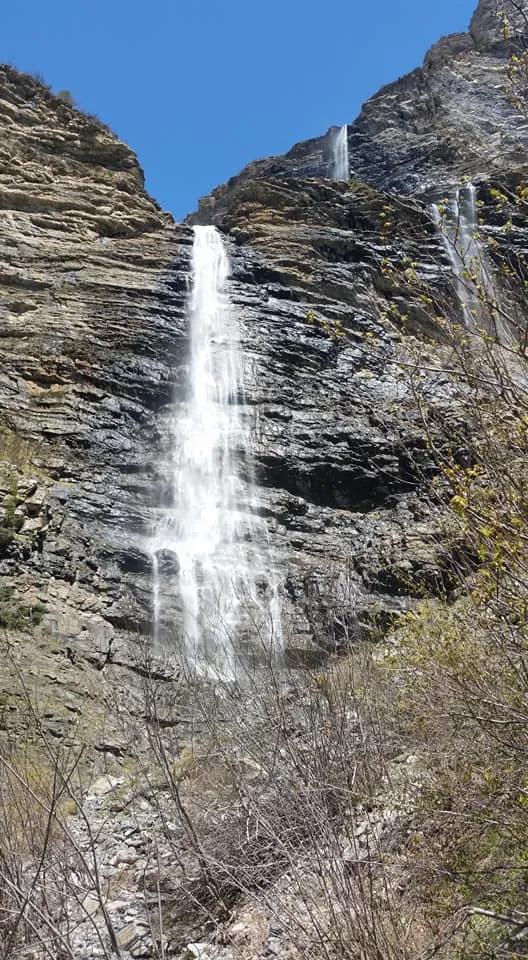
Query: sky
x,y
198,88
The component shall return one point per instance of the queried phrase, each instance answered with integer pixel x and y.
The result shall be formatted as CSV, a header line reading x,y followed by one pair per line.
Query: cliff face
x,y
450,118
341,454
94,283
91,332
94,349
94,345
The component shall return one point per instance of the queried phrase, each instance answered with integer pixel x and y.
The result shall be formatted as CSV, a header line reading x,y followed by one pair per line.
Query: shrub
x,y
65,96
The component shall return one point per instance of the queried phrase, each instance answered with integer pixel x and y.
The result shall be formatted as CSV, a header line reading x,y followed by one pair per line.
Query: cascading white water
x,y
228,593
458,225
340,146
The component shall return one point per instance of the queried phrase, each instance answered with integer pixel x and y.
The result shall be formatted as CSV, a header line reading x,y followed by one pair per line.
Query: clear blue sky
x,y
200,87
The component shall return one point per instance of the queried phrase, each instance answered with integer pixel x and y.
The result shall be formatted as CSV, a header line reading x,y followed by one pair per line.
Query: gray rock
x,y
35,501
342,461
132,935
196,951
104,785
445,120
91,905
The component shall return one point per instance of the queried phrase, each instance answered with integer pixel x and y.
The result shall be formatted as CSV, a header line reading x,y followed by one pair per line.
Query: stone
x,y
105,785
144,948
26,487
32,525
129,936
91,905
196,951
35,501
117,906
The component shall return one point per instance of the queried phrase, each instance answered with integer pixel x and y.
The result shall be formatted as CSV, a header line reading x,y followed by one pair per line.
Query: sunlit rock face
x,y
95,347
449,118
95,358
341,455
92,331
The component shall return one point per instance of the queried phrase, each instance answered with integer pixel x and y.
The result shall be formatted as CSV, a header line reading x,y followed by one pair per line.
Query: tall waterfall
x,y
227,590
458,225
340,146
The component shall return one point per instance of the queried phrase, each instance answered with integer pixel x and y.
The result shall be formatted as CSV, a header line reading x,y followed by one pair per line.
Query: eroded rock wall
x,y
94,280
328,283
93,284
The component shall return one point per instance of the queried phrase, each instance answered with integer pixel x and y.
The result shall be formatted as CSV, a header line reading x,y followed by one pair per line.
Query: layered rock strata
x,y
94,349
328,283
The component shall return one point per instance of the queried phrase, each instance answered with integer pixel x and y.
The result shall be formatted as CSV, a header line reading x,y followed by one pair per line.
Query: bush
x,y
65,96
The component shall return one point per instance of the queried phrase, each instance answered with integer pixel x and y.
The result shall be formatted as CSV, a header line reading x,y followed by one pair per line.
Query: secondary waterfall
x,y
340,145
228,593
458,225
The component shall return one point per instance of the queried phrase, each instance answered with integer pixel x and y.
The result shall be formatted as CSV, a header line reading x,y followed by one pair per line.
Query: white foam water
x,y
458,227
340,146
228,590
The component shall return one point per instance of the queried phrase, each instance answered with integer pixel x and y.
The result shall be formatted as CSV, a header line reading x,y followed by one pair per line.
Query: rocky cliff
x,y
94,342
94,345
328,284
452,117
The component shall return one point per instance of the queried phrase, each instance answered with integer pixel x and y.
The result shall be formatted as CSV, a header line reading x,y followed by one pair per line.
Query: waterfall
x,y
340,145
227,589
458,226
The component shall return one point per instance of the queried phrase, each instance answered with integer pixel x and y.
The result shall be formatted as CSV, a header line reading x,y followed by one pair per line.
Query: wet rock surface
x,y
94,351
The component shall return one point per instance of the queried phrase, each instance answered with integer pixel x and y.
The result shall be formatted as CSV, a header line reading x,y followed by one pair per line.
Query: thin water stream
x,y
458,226
341,163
